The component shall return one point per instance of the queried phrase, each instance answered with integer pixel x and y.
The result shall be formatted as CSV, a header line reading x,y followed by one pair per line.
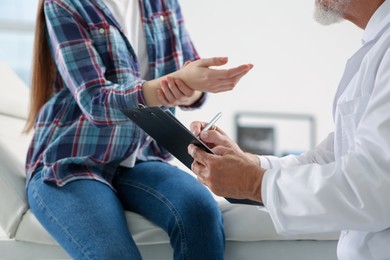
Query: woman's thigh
x,y
178,203
85,217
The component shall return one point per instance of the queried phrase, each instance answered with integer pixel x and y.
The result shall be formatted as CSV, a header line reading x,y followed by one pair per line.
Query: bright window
x,y
17,18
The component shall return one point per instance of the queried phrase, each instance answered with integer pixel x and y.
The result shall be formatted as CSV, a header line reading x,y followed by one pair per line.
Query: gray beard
x,y
327,15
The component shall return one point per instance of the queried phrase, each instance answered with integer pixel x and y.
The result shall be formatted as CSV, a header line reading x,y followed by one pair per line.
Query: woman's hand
x,y
199,76
190,81
173,92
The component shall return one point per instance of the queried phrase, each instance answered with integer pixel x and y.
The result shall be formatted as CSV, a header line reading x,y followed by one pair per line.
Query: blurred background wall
x,y
298,63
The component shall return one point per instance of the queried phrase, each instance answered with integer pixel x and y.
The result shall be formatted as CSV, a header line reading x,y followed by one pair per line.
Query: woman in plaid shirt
x,y
87,162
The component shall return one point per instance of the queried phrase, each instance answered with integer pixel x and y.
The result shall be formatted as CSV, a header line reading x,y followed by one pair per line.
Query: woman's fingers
x,y
173,92
240,70
167,92
161,97
209,62
183,88
225,80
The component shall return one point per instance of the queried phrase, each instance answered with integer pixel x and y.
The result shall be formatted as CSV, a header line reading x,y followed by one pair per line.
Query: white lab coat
x,y
344,184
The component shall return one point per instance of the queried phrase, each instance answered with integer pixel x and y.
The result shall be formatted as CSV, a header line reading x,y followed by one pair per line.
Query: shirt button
x,y
162,18
101,30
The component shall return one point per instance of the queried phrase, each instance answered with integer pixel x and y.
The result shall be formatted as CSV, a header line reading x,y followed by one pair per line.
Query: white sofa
x,y
250,233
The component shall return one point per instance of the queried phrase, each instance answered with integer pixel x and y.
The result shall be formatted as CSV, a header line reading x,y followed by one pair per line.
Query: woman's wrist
x,y
149,89
195,98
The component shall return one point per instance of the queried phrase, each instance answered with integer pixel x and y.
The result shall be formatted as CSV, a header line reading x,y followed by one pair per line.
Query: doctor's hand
x,y
215,136
229,172
199,76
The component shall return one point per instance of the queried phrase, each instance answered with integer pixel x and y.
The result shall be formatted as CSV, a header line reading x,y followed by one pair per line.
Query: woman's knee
x,y
200,208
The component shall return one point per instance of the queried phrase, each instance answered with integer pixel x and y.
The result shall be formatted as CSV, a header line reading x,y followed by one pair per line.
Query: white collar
x,y
378,21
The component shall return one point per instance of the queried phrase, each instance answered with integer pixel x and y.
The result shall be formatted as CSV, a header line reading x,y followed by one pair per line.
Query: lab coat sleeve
x,y
322,154
353,191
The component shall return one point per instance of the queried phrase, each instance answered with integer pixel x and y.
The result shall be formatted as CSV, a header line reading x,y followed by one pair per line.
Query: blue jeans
x,y
86,217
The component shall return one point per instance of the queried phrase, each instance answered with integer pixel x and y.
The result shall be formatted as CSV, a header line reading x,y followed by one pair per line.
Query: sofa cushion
x,y
242,223
251,223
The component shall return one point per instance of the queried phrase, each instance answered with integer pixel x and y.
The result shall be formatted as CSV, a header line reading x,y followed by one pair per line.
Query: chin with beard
x,y
330,13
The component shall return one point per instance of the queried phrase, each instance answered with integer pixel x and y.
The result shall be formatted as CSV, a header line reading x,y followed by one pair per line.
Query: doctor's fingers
x,y
199,155
200,171
218,129
217,138
220,151
197,126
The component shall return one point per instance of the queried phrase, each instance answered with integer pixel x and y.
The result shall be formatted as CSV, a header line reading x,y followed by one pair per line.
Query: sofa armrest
x,y
13,203
13,148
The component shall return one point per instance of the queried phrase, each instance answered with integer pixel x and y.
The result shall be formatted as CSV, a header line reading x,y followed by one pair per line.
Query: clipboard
x,y
169,132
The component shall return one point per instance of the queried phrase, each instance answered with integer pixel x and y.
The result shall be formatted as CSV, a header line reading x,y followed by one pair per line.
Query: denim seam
x,y
43,206
171,207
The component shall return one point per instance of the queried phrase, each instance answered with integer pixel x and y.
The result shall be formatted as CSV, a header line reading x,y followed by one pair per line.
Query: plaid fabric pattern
x,y
80,132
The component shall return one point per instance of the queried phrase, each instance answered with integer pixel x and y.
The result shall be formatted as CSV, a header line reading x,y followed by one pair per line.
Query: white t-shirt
x,y
128,15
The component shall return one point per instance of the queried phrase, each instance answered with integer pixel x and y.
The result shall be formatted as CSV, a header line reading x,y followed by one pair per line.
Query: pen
x,y
212,122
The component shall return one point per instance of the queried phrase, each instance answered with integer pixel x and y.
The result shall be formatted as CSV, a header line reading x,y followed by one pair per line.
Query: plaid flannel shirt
x,y
80,132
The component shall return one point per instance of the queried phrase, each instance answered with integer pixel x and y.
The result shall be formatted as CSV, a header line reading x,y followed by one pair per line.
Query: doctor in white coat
x,y
343,184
